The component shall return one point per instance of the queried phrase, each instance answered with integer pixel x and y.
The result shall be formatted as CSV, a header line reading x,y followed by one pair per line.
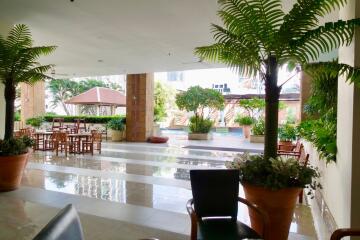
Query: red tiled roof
x,y
99,96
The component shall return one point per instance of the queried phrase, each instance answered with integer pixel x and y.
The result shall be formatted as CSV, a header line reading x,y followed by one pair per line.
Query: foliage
x,y
19,63
253,106
274,173
17,116
259,127
116,124
257,37
200,125
15,146
64,89
35,121
196,99
88,119
160,97
321,109
322,134
287,132
244,120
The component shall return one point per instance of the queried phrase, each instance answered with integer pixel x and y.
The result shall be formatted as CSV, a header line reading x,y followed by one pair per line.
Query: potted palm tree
x,y
257,38
18,63
196,100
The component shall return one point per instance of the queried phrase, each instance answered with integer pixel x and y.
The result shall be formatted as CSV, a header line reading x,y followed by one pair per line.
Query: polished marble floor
x,y
135,188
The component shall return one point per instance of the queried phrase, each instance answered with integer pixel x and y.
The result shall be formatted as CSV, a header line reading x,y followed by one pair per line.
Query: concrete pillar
x,y
32,100
139,106
305,93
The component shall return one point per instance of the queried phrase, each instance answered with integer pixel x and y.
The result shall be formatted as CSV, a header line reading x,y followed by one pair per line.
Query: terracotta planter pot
x,y
11,171
246,131
117,136
286,145
278,204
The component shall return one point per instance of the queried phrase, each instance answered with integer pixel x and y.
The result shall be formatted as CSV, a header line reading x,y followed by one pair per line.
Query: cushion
x,y
154,139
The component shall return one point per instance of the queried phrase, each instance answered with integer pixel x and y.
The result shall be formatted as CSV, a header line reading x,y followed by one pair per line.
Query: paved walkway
x,y
141,187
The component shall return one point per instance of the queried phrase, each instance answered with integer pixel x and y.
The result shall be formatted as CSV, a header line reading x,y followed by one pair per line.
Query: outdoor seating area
x,y
73,139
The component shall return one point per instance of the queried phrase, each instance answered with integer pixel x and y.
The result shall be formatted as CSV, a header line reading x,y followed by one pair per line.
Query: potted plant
x,y
274,185
287,134
245,122
258,39
197,99
258,132
117,127
18,63
35,121
13,158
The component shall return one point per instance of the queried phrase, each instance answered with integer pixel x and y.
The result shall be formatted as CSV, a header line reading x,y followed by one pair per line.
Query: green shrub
x,y
15,146
244,120
275,173
200,125
287,132
116,124
35,121
17,116
259,127
322,134
88,119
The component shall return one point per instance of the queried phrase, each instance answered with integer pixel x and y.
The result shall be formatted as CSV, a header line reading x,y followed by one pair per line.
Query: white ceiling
x,y
103,37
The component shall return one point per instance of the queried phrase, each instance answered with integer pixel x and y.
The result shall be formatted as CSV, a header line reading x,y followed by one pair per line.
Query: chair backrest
x,y
96,136
65,225
298,146
60,136
215,192
57,123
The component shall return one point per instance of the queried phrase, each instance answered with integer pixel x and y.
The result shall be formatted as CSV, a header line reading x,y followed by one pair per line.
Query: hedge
x,y
88,119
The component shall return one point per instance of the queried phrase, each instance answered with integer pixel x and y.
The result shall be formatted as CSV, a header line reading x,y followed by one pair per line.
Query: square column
x,y
139,106
32,100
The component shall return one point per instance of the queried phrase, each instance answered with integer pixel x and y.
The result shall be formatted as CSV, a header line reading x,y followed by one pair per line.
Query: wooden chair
x,y
57,124
214,207
345,232
294,152
61,142
93,144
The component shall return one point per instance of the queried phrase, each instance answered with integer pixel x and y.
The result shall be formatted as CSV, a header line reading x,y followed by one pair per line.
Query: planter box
x,y
117,136
257,138
199,136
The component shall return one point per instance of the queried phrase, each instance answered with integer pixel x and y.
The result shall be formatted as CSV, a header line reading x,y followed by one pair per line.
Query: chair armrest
x,y
263,214
193,218
344,232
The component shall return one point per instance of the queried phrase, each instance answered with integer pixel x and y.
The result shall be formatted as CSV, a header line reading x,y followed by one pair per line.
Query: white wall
x,y
340,180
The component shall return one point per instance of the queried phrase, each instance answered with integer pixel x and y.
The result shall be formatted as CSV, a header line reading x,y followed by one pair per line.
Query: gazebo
x,y
99,96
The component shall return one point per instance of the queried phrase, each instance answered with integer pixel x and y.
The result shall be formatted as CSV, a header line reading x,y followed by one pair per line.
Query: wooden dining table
x,y
76,139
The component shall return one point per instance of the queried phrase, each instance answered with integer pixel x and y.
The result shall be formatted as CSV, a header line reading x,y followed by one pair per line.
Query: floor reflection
x,y
116,190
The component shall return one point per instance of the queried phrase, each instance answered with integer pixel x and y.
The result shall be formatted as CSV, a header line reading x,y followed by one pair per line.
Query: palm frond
x,y
305,16
325,38
19,37
35,74
255,20
333,69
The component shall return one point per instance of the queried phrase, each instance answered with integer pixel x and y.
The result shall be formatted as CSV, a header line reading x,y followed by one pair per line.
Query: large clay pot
x,y
11,171
279,205
246,131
